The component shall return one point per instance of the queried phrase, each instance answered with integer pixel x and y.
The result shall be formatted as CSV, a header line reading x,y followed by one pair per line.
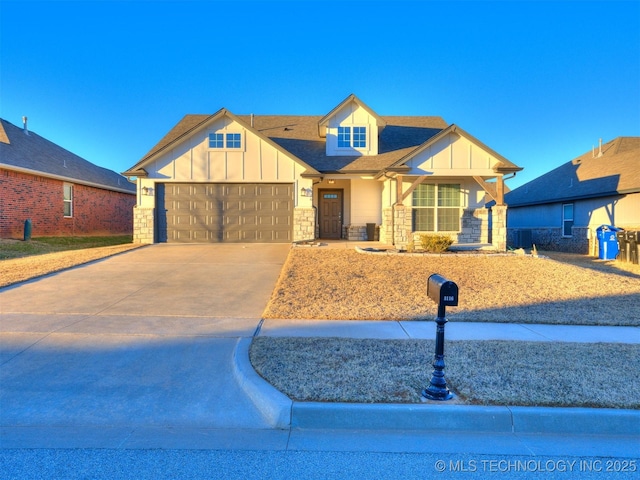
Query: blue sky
x,y
539,82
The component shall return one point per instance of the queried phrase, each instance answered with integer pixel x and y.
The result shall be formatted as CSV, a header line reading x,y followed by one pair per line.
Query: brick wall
x,y
552,239
95,211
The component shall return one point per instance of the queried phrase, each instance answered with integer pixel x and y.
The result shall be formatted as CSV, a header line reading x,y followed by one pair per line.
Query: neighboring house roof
x,y
615,172
33,154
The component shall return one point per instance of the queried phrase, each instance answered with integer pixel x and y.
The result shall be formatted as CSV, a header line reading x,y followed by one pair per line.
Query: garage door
x,y
211,213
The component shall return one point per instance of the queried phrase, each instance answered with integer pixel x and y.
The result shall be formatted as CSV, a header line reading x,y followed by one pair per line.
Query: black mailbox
x,y
442,291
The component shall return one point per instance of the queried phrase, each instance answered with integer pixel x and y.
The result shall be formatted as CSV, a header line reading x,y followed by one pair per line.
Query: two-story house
x,y
280,178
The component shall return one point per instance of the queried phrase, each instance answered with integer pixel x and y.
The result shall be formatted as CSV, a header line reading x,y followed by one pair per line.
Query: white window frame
x,y
436,208
566,220
351,146
226,141
67,201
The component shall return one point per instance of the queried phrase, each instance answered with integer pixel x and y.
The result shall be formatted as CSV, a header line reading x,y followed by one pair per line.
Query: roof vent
x,y
24,124
600,149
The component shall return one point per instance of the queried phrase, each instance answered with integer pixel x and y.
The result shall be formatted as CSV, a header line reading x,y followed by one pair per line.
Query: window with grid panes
x,y
436,208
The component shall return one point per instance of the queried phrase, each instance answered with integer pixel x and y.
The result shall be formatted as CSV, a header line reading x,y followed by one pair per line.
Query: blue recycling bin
x,y
608,247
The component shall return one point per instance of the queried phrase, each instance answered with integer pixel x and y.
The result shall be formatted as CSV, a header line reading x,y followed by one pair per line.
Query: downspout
x,y
393,216
315,209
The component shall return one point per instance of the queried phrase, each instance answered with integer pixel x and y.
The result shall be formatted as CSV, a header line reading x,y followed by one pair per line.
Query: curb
x,y
465,418
274,406
281,412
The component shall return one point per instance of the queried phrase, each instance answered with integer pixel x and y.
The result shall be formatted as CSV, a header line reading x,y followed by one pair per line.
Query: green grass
x,y
42,245
555,374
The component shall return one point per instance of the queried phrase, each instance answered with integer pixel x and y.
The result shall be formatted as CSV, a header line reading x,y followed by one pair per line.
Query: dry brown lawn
x,y
479,372
15,270
323,283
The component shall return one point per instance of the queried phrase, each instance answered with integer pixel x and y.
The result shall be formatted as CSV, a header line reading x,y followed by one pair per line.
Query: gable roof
x,y
297,135
33,154
615,172
191,123
351,98
504,166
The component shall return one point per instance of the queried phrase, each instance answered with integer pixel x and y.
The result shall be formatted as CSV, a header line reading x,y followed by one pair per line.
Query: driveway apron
x,y
144,338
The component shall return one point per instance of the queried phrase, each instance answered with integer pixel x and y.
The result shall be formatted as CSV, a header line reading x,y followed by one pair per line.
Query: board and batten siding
x,y
193,160
352,115
453,154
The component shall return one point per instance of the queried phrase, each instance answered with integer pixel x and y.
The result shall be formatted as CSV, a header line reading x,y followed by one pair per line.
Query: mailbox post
x,y
445,293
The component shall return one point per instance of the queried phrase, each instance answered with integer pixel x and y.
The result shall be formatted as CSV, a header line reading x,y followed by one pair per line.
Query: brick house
x,y
61,193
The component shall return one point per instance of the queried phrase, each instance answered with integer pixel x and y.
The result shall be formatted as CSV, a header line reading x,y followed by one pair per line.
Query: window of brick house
x,y
68,200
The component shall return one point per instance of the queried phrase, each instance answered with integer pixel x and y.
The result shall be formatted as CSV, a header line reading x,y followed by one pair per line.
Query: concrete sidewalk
x,y
453,331
440,417
149,349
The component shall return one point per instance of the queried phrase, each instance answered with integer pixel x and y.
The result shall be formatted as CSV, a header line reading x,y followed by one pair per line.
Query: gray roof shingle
x,y
299,136
33,153
616,172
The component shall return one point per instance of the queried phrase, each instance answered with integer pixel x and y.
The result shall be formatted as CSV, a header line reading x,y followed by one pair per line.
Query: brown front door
x,y
330,213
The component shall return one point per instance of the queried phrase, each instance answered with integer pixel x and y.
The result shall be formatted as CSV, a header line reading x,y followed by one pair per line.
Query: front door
x,y
330,214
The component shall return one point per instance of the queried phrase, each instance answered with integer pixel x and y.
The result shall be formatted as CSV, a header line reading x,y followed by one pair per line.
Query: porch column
x,y
143,225
499,227
400,233
304,224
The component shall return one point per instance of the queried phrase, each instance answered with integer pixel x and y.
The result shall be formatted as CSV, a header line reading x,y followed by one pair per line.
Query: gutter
x,y
572,199
67,179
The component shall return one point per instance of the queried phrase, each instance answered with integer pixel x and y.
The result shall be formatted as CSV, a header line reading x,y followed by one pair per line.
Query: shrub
x,y
435,243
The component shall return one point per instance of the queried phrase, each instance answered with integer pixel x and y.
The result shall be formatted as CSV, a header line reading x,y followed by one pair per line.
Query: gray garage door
x,y
210,213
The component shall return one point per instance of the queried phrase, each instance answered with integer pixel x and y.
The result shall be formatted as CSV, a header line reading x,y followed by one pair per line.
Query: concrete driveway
x,y
145,338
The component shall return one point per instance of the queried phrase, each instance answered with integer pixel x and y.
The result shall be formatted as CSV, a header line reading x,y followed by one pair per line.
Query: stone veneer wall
x,y
386,229
551,239
402,226
143,225
358,233
499,227
304,224
475,226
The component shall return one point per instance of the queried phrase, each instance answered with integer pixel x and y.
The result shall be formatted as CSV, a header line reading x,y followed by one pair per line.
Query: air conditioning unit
x,y
523,239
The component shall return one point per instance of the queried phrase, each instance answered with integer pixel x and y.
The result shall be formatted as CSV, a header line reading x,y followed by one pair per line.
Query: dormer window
x,y
225,140
357,140
359,137
344,137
